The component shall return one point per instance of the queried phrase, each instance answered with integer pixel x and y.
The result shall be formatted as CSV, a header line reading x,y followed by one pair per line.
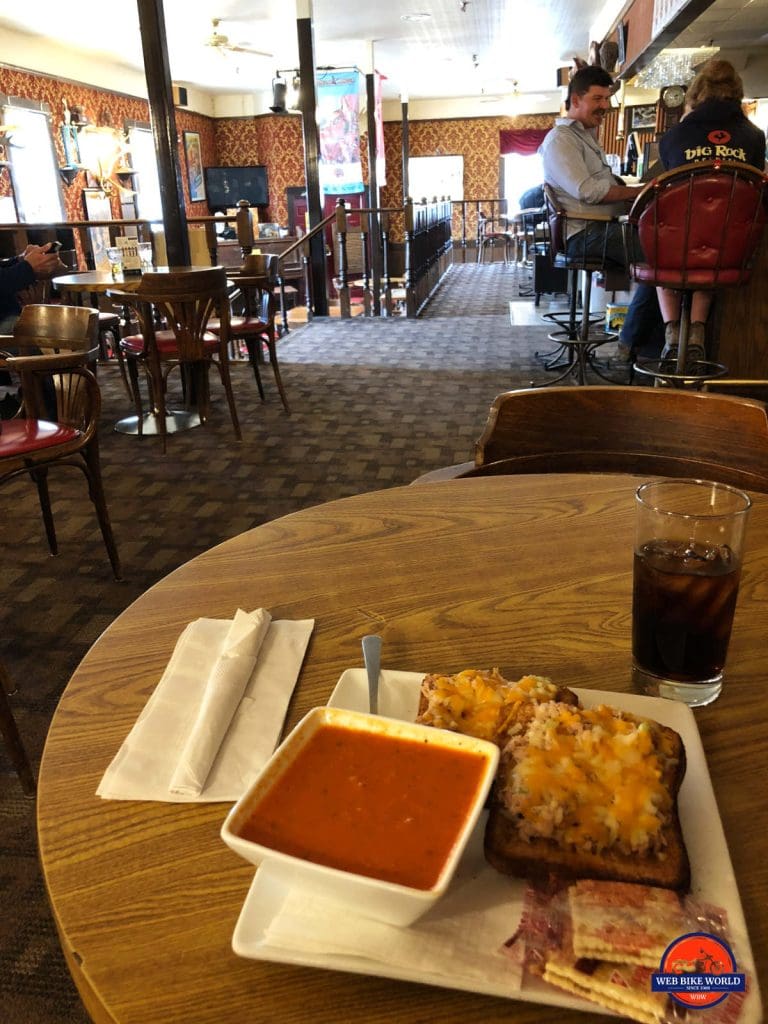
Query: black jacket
x,y
716,129
15,275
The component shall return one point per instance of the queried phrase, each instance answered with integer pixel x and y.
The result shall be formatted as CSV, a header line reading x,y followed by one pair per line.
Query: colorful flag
x,y
338,111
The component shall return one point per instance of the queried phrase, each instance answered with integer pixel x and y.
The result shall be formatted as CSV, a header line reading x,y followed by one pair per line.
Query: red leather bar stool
x,y
697,228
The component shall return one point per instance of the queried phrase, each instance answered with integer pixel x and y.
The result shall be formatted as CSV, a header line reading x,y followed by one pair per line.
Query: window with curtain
x,y
33,164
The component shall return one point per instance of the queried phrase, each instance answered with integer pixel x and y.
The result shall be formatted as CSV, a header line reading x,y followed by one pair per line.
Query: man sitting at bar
x,y
576,168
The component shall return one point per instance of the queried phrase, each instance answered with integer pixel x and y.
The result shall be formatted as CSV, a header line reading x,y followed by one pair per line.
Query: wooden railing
x,y
428,245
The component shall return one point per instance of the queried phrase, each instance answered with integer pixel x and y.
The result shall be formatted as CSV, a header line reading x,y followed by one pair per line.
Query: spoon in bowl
x,y
372,659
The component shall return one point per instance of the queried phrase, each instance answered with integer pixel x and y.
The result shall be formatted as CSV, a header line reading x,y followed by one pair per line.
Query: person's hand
x,y
43,262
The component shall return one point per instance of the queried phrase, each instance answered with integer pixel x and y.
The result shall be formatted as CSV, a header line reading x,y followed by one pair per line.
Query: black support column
x,y
163,121
374,226
308,107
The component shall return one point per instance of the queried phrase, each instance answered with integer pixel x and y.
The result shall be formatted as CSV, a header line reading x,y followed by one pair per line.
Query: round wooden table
x,y
529,573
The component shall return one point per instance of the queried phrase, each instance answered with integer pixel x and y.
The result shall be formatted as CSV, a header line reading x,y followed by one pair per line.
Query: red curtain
x,y
521,140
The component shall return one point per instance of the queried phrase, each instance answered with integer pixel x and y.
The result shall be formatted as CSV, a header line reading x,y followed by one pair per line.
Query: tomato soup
x,y
381,805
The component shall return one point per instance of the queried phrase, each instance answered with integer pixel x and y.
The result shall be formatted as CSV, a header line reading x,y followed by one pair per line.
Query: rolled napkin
x,y
222,699
223,692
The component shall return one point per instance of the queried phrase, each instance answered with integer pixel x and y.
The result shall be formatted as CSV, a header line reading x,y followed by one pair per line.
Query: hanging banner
x,y
338,111
381,164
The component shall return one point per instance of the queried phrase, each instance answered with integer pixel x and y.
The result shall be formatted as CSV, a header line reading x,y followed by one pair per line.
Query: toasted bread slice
x,y
590,794
482,703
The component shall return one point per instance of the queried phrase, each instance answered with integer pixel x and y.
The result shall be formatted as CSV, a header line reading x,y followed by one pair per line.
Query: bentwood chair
x,y
256,327
184,301
648,431
10,734
57,424
576,336
698,227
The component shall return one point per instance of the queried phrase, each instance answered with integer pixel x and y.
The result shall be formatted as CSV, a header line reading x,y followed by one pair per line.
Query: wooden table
x,y
531,574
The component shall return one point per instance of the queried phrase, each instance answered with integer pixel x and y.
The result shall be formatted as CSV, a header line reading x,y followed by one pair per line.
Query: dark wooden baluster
x,y
341,235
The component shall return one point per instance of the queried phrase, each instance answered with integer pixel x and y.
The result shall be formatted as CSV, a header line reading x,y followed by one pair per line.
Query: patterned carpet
x,y
375,403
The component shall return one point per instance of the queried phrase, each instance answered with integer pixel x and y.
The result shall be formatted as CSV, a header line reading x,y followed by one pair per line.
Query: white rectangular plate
x,y
497,897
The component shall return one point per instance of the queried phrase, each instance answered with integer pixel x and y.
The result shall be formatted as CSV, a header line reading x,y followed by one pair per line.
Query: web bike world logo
x,y
699,971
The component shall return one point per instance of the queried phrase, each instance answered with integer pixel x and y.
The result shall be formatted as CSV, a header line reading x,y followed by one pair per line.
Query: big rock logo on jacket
x,y
718,139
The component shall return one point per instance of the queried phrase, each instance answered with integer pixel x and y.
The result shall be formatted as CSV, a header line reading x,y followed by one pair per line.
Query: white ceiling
x,y
478,48
483,49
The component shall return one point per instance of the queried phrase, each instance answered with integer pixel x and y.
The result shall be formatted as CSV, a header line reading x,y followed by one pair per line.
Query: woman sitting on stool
x,y
714,127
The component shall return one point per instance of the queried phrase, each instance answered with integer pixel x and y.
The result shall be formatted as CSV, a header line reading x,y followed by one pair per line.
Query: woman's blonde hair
x,y
716,80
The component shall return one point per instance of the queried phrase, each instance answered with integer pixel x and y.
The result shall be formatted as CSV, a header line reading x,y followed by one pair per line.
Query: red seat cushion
x,y
239,325
133,344
20,437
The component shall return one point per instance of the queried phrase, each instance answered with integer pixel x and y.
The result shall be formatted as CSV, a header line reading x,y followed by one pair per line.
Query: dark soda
x,y
682,609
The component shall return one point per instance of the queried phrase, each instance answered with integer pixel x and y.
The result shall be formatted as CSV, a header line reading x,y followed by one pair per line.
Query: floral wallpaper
x,y
273,140
101,108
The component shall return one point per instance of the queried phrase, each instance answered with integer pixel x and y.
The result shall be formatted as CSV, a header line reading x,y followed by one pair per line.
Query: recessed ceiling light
x,y
418,16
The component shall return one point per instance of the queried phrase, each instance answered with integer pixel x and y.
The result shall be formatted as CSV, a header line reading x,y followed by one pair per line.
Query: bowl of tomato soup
x,y
368,811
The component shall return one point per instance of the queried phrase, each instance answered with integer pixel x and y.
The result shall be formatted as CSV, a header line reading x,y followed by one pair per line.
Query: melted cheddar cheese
x,y
480,703
592,780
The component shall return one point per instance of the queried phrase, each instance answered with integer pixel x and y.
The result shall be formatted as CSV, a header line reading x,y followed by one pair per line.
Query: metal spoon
x,y
372,659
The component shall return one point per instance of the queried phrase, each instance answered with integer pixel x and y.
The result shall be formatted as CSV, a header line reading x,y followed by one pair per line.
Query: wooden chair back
x,y
57,344
647,431
49,328
185,300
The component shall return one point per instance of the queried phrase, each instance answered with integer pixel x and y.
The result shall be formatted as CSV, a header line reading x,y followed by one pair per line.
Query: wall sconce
x,y
68,173
281,101
103,151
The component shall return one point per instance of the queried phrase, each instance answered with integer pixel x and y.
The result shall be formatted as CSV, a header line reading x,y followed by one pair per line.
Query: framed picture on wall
x,y
98,207
194,157
642,117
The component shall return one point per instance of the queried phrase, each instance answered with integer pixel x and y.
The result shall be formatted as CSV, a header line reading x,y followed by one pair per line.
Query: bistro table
x,y
527,573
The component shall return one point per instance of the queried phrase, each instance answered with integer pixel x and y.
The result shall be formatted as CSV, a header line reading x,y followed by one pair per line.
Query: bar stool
x,y
697,228
488,238
575,336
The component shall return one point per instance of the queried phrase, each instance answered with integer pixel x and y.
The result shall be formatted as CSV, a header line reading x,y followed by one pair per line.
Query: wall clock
x,y
672,103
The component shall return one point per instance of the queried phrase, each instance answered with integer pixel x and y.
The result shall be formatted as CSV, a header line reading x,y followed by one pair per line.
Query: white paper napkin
x,y
224,690
216,714
459,940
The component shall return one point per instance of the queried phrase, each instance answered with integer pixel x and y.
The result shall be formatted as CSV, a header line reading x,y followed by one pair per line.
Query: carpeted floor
x,y
375,403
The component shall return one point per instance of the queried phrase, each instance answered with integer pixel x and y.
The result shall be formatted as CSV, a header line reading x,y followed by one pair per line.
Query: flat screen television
x,y
225,186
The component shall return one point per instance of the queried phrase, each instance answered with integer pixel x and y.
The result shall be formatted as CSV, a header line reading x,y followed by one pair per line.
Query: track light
x,y
281,101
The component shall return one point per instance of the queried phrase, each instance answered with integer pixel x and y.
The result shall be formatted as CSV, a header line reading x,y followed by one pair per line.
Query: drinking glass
x,y
689,542
145,255
115,257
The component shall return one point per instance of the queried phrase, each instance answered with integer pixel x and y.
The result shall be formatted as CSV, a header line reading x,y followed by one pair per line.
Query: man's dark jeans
x,y
643,330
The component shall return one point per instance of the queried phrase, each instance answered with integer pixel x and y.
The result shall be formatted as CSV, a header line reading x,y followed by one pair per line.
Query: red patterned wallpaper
x,y
273,140
101,108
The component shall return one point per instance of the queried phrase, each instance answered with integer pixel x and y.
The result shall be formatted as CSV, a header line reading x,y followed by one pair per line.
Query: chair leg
x,y
226,380
276,369
96,491
12,738
135,391
251,345
40,476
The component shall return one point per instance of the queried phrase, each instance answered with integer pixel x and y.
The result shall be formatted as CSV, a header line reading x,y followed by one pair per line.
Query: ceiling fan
x,y
219,41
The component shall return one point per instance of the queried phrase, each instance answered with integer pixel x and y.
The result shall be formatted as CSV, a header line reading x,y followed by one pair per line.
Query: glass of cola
x,y
689,542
